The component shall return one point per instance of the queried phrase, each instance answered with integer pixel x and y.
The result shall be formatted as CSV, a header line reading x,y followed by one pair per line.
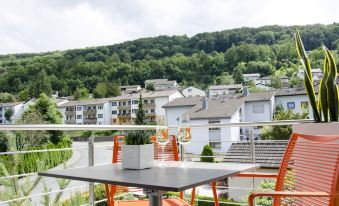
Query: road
x,y
102,155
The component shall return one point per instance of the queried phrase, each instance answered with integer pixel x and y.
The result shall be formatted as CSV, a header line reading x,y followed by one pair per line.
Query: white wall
x,y
297,99
172,116
199,137
193,92
266,115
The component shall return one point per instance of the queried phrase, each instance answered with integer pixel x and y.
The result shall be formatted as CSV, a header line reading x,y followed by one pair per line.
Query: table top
x,y
171,177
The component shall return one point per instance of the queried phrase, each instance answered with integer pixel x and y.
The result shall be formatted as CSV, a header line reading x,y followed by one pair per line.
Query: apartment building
x,y
251,77
219,90
125,107
94,111
161,84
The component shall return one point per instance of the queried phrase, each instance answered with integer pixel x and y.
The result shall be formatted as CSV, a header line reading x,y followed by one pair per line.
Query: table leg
x,y
154,196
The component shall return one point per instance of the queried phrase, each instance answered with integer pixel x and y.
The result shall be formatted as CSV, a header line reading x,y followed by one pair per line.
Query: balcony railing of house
x,y
91,147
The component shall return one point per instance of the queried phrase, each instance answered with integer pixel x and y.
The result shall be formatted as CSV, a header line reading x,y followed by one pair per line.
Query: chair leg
x,y
110,194
181,195
193,196
215,194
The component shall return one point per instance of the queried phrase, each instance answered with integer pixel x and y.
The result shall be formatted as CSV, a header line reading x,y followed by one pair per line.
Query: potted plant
x,y
325,106
138,151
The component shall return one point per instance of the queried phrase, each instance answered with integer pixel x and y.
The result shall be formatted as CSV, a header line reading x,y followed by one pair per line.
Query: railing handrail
x,y
69,127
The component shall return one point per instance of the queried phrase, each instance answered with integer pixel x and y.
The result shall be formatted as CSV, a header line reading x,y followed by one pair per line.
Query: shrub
x,y
207,151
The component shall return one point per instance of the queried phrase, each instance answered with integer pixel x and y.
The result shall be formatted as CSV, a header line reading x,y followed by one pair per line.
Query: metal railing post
x,y
91,163
252,151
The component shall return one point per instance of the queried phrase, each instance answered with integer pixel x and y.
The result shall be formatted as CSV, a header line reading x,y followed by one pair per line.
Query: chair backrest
x,y
310,164
170,150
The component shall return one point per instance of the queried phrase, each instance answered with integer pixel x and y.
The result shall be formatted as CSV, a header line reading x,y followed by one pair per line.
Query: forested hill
x,y
201,60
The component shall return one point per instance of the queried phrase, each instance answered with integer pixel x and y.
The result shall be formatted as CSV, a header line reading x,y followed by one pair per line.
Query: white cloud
x,y
38,25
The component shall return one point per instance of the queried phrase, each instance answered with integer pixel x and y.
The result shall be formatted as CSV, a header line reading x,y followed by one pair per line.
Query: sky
x,y
48,25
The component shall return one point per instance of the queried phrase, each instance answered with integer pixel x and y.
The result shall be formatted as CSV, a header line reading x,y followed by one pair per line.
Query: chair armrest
x,y
258,175
288,194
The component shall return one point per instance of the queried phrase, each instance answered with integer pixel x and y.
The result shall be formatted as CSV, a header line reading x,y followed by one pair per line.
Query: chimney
x,y
205,101
245,92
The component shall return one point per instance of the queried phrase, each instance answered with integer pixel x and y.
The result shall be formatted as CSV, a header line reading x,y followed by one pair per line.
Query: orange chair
x,y
171,154
308,174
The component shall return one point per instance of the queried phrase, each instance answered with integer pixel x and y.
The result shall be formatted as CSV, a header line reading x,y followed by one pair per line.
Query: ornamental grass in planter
x,y
138,150
325,106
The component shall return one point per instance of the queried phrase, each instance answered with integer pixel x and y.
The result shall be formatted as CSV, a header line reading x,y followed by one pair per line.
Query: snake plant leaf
x,y
322,95
332,90
308,78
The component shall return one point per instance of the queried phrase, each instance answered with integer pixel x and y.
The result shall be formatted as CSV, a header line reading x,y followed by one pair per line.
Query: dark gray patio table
x,y
155,180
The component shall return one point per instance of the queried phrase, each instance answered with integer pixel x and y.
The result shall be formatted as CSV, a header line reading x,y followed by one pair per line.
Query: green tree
x,y
81,93
150,87
6,97
8,114
282,132
276,82
140,115
224,78
208,153
238,73
45,110
41,84
23,95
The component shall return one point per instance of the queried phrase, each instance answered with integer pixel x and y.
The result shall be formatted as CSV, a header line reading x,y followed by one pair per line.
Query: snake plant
x,y
138,137
325,107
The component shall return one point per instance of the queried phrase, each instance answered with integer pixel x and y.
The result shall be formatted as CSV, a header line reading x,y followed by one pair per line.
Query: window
x,y
304,105
0,108
100,107
79,108
94,107
134,111
135,101
290,105
114,121
145,101
258,108
215,145
79,116
152,110
114,112
123,111
100,115
123,103
152,101
114,103
189,90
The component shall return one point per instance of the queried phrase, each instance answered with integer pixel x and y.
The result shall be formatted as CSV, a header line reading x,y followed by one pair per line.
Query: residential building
x,y
206,111
93,111
238,108
130,89
251,77
317,74
161,84
263,81
295,99
16,107
193,92
125,107
217,90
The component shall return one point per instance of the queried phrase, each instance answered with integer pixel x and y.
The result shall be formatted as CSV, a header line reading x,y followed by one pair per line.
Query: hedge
x,y
28,162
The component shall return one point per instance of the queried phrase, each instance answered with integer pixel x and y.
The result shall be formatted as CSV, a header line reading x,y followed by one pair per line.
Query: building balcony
x,y
151,114
124,107
90,112
70,113
149,105
124,115
90,120
70,121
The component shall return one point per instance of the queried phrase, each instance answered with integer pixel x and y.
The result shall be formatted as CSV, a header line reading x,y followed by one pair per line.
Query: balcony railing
x,y
91,147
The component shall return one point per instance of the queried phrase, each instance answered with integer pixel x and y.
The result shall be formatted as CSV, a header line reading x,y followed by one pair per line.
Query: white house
x,y
161,84
317,74
263,81
251,77
193,92
17,109
124,107
217,90
206,111
130,89
295,99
